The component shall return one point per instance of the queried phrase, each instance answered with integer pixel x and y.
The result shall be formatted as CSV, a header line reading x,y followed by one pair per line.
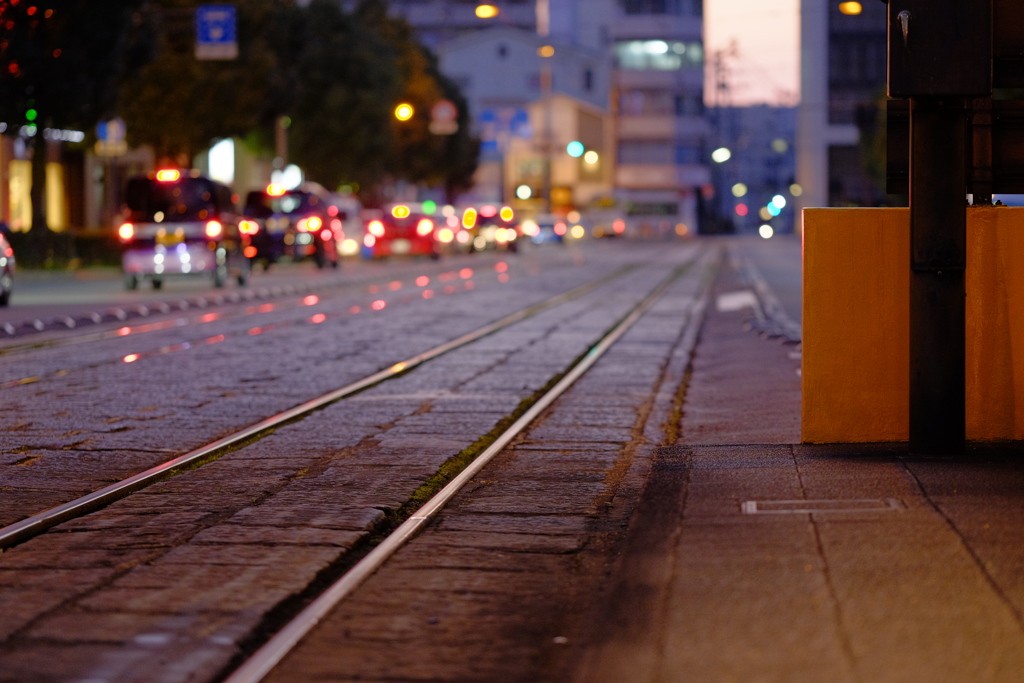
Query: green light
x,y
31,114
429,207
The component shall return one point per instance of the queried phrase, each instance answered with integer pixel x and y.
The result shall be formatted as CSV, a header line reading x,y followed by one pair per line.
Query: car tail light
x,y
369,240
168,175
400,211
214,229
425,227
311,224
250,252
126,232
469,218
375,228
248,227
326,234
445,235
507,214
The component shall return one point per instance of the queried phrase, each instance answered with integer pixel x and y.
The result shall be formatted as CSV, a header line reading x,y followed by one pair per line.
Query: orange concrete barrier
x,y
856,309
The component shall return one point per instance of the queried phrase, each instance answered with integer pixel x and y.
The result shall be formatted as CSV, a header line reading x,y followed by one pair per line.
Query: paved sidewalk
x,y
753,558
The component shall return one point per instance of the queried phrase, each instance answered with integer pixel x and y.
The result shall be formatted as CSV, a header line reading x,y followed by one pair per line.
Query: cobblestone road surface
x,y
173,582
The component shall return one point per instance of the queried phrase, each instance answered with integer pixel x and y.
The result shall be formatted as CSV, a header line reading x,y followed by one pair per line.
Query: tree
x,y
347,84
179,105
420,156
60,63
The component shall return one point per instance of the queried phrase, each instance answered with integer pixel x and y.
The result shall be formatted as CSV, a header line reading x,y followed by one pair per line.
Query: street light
x,y
404,111
487,11
721,155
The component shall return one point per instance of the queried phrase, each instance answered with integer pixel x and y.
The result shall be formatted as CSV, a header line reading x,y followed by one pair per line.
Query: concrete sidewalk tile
x,y
915,605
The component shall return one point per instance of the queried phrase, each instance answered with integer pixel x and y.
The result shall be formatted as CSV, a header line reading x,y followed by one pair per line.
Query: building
x,y
654,53
762,167
842,80
661,126
538,105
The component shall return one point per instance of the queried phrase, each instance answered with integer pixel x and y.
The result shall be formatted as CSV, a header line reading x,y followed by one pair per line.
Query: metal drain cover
x,y
790,507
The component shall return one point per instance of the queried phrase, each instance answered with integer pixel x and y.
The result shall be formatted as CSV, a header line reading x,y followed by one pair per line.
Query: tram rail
x,y
38,523
277,647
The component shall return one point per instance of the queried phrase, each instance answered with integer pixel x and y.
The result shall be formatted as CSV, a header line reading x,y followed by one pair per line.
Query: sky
x,y
765,66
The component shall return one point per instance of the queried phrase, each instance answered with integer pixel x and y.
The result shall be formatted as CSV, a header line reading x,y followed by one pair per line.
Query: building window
x,y
647,152
588,80
676,7
658,55
689,105
688,153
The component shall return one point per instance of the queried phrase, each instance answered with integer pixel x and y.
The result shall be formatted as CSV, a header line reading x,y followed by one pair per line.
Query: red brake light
x,y
375,228
168,175
313,223
214,229
126,232
507,214
275,190
248,227
425,227
400,211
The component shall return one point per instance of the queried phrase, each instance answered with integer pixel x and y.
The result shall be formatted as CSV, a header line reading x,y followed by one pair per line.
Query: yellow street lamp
x,y
546,51
487,11
404,111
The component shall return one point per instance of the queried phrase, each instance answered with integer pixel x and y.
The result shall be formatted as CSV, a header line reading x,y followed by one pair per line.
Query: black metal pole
x,y
938,239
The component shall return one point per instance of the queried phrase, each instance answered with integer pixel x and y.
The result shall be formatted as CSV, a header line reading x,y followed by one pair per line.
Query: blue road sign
x,y
216,35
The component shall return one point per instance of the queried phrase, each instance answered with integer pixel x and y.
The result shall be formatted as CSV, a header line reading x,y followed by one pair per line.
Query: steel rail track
x,y
25,529
257,297
263,661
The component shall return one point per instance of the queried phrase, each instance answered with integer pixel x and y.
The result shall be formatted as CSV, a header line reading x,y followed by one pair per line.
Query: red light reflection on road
x,y
503,277
422,281
209,317
446,277
124,331
318,318
395,286
428,294
131,358
449,289
311,300
354,309
501,266
255,331
470,285
267,308
373,289
378,305
216,339
466,273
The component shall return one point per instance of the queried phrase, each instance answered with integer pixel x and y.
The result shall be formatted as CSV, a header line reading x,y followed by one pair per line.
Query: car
x,y
294,224
546,229
6,270
491,227
398,230
181,224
